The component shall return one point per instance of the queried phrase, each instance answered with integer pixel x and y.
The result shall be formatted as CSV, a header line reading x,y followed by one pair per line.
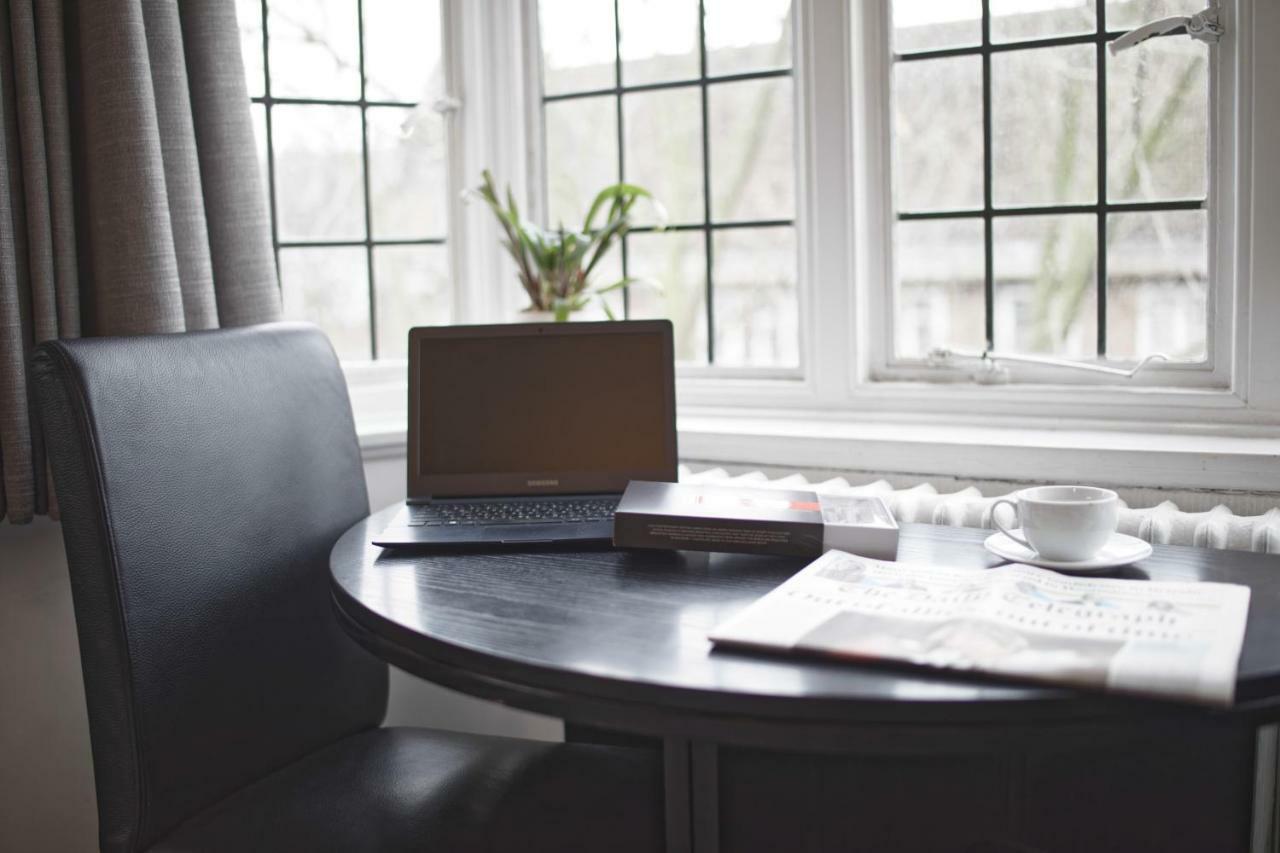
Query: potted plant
x,y
555,266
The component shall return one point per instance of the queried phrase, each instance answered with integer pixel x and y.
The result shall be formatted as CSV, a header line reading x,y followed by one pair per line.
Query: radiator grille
x,y
966,506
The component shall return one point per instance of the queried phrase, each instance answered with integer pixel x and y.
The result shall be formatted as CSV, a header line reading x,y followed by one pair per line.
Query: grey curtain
x,y
130,195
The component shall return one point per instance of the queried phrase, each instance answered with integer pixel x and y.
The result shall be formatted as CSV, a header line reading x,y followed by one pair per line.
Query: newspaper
x,y
1172,640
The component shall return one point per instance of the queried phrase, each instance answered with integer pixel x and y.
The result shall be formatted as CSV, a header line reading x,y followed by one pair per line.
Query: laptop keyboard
x,y
441,513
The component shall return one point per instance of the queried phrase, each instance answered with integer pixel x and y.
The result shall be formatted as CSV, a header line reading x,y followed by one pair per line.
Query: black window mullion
x,y
271,153
623,244
368,194
624,89
716,226
333,102
1101,249
1055,209
988,223
1099,35
358,244
707,242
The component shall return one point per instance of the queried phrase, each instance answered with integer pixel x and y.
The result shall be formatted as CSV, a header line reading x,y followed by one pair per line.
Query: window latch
x,y
441,105
446,104
1205,25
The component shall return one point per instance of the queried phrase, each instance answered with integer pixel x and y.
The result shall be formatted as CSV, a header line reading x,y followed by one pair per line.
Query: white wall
x,y
46,777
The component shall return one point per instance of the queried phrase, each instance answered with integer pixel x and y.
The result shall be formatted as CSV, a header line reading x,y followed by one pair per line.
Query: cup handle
x,y
995,519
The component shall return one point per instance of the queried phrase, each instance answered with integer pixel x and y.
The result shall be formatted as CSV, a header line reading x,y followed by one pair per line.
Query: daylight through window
x,y
1050,198
358,204
695,102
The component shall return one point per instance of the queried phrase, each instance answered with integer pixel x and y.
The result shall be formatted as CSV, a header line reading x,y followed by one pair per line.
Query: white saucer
x,y
1120,550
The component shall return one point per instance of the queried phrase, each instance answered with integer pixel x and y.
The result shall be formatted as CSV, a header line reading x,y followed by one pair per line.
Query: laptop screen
x,y
541,408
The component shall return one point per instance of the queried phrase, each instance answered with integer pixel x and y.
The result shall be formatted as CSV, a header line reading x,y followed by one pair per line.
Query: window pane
x,y
582,155
1046,285
1157,284
677,261
1158,121
1127,14
937,134
249,17
1014,20
659,40
756,308
319,176
939,300
402,50
930,24
329,287
747,36
1044,126
412,284
408,183
664,150
752,150
315,49
577,45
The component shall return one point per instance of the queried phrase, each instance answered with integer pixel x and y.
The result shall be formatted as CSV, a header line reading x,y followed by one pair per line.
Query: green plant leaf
x,y
627,282
550,263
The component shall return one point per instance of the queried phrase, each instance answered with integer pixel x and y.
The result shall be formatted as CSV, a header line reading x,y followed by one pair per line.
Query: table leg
x,y
678,795
705,774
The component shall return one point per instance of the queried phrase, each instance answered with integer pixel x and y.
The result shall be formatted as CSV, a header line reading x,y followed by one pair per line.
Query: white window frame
x,y
843,132
1214,372
850,406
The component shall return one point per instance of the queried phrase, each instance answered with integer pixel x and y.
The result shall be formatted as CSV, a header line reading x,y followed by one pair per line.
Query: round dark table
x,y
756,746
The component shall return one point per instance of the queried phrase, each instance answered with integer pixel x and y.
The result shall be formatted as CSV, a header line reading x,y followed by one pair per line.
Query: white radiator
x,y
1161,524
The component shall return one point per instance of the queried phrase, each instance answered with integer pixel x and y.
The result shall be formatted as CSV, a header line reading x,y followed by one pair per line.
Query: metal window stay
x,y
1205,25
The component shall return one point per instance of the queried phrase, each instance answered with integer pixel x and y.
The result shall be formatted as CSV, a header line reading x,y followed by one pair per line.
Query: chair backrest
x,y
202,479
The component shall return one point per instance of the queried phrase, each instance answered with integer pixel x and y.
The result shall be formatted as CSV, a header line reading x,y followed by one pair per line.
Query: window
x,y
1049,198
851,185
694,101
359,201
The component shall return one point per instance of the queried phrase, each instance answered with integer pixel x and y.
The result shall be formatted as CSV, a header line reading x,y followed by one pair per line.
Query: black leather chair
x,y
202,480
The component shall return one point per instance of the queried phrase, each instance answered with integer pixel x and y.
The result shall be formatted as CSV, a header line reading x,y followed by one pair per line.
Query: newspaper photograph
x,y
1161,639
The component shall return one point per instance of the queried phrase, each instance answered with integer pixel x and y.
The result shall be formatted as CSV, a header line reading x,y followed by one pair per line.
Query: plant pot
x,y
532,316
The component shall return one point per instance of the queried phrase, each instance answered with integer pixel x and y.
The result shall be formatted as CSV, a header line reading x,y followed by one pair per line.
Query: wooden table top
x,y
605,636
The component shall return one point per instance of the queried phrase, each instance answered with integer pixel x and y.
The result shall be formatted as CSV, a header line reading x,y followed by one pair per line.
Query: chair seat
x,y
401,789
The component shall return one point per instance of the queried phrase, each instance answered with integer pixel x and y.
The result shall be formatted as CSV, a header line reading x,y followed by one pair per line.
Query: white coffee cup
x,y
1062,523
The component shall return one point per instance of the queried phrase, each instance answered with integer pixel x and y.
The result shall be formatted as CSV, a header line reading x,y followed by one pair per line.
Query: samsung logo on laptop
x,y
542,483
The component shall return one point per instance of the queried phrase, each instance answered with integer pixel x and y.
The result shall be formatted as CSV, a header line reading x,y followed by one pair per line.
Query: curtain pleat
x,y
15,303
51,59
130,197
177,139
239,221
134,267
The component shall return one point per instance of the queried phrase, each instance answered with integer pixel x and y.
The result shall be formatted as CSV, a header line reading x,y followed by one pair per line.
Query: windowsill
x,y
1120,457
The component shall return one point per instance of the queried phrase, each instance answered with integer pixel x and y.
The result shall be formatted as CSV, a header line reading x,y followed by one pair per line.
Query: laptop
x,y
529,432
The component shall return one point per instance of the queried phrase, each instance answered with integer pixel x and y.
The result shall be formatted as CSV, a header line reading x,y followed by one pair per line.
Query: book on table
x,y
782,522
1161,639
